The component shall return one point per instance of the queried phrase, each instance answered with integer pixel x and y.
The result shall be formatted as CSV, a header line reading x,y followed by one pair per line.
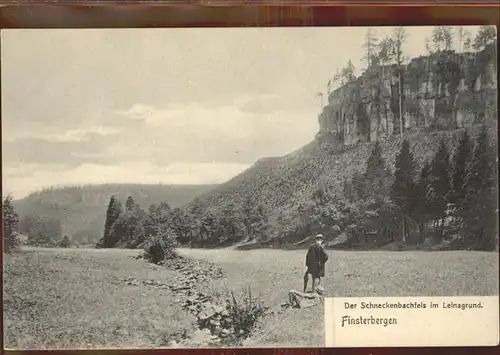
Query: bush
x,y
64,242
159,247
11,243
242,315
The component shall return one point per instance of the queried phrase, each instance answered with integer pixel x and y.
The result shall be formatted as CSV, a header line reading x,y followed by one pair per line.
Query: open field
x,y
77,297
272,273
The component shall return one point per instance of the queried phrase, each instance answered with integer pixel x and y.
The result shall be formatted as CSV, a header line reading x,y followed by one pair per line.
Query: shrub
x,y
64,242
242,315
159,247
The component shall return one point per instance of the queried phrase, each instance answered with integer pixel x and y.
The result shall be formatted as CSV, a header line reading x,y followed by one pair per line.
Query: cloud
x,y
200,133
100,100
62,149
194,143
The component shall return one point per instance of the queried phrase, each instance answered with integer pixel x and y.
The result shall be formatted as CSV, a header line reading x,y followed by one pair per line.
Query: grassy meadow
x,y
77,298
74,298
272,273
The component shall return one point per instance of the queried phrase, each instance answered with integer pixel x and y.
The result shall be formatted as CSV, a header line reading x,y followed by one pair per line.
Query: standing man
x,y
315,261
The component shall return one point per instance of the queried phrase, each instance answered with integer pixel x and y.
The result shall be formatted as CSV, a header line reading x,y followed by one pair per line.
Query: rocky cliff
x,y
444,90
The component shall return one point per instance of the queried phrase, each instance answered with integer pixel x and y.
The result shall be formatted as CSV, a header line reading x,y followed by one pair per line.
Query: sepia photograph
x,y
211,187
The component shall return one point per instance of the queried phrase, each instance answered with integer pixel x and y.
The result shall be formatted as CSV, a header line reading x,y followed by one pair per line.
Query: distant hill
x,y
81,210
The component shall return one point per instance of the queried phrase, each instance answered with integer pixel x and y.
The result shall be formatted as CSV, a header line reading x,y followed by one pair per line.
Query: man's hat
x,y
320,236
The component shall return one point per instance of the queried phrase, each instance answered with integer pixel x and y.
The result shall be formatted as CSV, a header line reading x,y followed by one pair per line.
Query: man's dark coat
x,y
315,260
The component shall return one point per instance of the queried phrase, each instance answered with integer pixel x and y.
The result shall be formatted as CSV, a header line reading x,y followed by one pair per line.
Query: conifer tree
x,y
481,195
112,214
130,204
460,163
375,162
402,188
376,172
440,183
10,225
481,172
420,200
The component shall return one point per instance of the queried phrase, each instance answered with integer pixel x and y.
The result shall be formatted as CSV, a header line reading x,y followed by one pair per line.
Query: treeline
x,y
455,191
448,200
131,226
40,231
389,50
451,199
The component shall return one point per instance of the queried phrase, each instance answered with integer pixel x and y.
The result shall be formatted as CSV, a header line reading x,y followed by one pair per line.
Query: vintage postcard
x,y
250,187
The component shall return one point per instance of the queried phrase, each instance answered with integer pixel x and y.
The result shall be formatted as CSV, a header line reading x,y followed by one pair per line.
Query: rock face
x,y
445,90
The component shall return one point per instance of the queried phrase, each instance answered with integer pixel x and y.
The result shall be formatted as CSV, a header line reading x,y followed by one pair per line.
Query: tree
x,y
254,219
284,228
130,204
129,229
248,211
375,163
64,242
158,217
336,80
160,246
260,223
402,188
399,37
464,39
10,226
230,224
385,50
347,73
370,47
442,37
467,41
481,170
486,35
208,226
180,225
384,56
430,51
460,161
376,174
113,212
437,38
440,183
41,231
479,213
420,202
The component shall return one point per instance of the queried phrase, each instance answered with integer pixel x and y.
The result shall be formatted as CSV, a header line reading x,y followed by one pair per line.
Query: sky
x,y
171,106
